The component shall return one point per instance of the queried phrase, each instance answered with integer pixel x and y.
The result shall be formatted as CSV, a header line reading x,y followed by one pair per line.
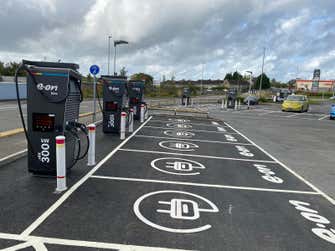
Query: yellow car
x,y
295,103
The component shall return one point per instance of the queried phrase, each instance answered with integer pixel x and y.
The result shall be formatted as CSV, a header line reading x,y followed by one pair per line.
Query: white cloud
x,y
173,36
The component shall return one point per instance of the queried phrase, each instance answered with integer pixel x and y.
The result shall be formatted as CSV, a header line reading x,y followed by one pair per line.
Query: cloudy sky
x,y
175,37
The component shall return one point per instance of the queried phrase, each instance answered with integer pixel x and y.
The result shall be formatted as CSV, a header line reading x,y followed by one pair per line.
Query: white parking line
x,y
13,155
176,122
322,118
331,200
291,116
67,194
204,185
79,243
195,155
191,130
265,113
196,140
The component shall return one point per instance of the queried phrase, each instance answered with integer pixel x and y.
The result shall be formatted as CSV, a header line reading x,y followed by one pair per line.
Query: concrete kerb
x,y
16,131
177,112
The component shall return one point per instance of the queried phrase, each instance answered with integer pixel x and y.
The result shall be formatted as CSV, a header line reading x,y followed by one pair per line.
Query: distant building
x,y
306,85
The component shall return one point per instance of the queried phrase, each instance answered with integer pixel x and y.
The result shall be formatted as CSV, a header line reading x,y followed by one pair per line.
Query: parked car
x,y
332,98
332,112
295,103
253,100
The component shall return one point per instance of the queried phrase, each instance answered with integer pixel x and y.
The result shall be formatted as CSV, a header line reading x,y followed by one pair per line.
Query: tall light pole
x,y
109,52
250,83
202,77
260,84
117,42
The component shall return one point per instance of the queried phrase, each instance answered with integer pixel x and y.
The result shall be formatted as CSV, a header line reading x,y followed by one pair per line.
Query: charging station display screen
x,y
43,122
111,106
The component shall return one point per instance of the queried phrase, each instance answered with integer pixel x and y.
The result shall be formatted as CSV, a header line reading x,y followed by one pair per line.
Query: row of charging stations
x,y
120,95
53,100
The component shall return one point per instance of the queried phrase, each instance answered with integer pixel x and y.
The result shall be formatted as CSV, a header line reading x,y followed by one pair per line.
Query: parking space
x,y
205,149
186,188
189,126
275,113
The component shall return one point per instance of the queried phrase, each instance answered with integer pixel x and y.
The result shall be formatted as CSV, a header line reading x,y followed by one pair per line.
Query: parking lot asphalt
x,y
165,188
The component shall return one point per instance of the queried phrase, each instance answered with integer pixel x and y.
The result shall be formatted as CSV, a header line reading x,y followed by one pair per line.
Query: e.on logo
x,y
43,87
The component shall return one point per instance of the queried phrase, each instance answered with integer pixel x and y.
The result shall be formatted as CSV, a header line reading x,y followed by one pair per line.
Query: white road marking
x,y
221,129
204,185
175,122
291,116
81,243
177,211
191,130
67,194
195,155
322,118
331,200
265,113
196,140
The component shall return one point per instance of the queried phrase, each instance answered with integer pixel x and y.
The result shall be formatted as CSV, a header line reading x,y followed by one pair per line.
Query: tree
x,y
89,78
228,76
9,69
123,71
237,76
148,80
265,82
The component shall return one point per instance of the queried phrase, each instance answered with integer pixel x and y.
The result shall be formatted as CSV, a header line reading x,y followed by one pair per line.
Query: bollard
x,y
235,105
239,104
142,113
226,104
146,113
185,104
192,102
91,149
222,103
131,123
60,164
123,126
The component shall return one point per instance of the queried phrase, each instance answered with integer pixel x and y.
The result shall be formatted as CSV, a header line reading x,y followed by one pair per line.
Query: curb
x,y
16,131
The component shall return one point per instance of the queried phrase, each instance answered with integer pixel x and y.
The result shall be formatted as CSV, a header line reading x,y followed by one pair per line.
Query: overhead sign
x,y
94,69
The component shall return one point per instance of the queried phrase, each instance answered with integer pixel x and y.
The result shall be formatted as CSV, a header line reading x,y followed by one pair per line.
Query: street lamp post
x,y
250,82
260,84
109,52
117,42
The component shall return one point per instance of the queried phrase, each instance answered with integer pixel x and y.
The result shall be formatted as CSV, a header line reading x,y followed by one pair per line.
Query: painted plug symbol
x,y
182,146
181,209
182,166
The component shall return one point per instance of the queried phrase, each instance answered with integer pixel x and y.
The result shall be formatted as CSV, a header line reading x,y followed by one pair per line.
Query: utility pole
x,y
202,77
260,84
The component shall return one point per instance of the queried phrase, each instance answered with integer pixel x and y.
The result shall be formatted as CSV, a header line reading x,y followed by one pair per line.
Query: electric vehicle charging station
x,y
136,96
231,99
53,100
115,101
186,98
